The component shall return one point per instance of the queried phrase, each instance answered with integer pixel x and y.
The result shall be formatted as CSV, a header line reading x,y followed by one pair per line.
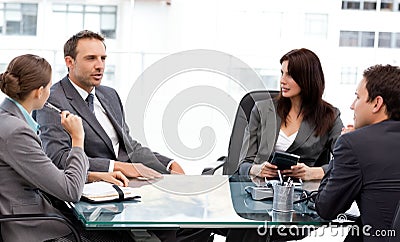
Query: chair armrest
x,y
28,217
211,170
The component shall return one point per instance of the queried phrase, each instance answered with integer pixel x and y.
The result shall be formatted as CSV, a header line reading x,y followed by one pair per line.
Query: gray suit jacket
x,y
366,169
24,169
98,146
262,133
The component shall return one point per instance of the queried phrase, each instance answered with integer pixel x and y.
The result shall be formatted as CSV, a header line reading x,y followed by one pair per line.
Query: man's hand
x,y
347,129
136,170
115,177
175,168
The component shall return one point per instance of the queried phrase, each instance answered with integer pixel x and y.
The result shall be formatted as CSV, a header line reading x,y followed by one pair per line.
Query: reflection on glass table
x,y
262,210
207,201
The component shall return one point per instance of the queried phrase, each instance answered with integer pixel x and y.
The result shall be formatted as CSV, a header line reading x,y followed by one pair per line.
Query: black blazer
x,y
365,169
98,146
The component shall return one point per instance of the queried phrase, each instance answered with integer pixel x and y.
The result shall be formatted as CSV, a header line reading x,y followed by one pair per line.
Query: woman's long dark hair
x,y
306,70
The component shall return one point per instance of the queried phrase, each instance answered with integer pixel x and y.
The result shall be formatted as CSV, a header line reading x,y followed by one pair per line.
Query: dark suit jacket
x,y
24,169
262,133
98,146
365,169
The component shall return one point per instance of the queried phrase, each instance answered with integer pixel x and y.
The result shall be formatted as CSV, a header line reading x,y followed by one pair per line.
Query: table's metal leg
x,y
143,235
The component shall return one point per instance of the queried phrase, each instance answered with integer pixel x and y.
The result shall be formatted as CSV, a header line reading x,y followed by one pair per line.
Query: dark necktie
x,y
89,101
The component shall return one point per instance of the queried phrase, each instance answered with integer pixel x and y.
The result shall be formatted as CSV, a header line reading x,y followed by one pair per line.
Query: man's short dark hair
x,y
70,45
384,81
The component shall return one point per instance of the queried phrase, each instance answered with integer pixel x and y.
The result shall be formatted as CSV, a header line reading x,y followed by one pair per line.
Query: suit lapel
x,y
79,105
304,133
273,113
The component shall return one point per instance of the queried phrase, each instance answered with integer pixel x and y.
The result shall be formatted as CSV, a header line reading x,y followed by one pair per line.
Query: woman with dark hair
x,y
25,170
306,125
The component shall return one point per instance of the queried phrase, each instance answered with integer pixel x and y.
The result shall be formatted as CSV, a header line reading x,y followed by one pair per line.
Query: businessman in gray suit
x,y
108,143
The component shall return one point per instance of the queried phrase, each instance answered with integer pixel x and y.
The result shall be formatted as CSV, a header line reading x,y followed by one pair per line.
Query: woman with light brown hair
x,y
26,173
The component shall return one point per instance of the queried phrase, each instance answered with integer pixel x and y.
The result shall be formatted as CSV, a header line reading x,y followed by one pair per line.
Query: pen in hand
x,y
51,106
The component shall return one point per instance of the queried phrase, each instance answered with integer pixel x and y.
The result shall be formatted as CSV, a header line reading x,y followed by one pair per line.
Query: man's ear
x,y
68,61
378,104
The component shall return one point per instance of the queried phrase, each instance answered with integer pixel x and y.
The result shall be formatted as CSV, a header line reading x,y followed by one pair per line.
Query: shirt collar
x,y
31,122
82,92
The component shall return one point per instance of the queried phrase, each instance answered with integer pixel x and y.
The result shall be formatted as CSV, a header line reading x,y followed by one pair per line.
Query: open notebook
x,y
106,192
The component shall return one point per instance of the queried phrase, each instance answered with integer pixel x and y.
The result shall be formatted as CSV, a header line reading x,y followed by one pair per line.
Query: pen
x,y
51,106
280,177
289,182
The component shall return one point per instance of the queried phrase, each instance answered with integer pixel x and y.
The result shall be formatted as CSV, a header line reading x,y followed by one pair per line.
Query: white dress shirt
x,y
284,142
103,120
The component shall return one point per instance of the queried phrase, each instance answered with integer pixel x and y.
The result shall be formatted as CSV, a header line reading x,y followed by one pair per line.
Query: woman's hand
x,y
265,169
115,177
304,172
73,125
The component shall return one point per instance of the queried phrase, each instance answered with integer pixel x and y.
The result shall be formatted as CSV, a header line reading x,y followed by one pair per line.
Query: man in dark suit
x,y
108,143
366,166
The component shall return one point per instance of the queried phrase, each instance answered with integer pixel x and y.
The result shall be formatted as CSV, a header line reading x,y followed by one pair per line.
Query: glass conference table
x,y
192,201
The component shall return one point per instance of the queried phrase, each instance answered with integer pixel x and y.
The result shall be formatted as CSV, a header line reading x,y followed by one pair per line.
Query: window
x,y
348,38
370,5
316,25
385,39
18,18
389,40
76,17
359,5
356,39
350,4
387,5
397,41
3,67
367,39
269,77
109,75
349,75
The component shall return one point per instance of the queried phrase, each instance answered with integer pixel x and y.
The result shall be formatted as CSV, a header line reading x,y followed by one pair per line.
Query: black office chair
x,y
229,163
30,217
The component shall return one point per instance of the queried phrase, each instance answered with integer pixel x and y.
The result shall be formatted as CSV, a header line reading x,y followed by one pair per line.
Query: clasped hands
x,y
270,171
